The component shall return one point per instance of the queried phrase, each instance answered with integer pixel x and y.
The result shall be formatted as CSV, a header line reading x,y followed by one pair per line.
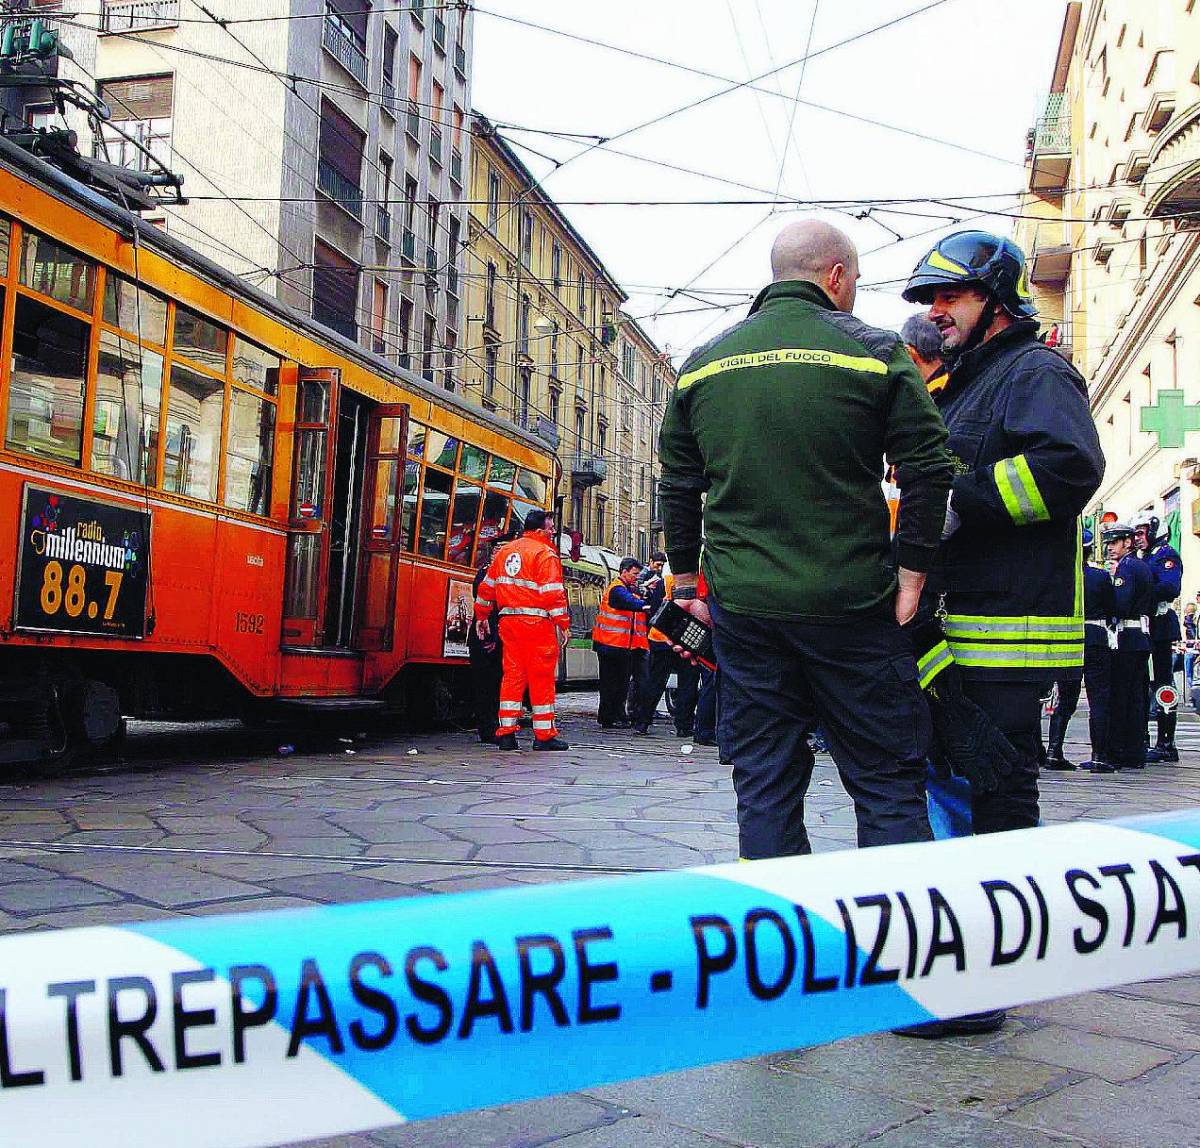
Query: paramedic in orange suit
x,y
525,584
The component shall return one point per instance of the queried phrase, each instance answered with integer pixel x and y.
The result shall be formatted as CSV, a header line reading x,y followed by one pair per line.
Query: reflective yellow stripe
x,y
938,260
1078,568
933,662
1019,491
785,356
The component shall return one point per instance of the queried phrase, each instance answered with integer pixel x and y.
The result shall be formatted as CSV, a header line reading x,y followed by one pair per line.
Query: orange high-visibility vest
x,y
624,629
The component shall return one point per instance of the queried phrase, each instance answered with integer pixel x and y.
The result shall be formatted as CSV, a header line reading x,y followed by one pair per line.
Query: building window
x,y
582,297
580,429
601,439
430,354
525,387
379,301
406,312
491,296
556,264
340,156
335,290
489,378
555,401
435,125
141,108
451,360
390,40
493,199
554,349
601,507
523,326
527,237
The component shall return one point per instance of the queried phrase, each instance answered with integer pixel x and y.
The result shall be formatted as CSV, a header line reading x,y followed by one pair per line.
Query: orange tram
x,y
212,505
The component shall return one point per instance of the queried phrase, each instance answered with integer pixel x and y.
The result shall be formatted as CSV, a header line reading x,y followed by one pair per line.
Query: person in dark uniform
x,y
1133,598
1167,571
487,663
651,587
1097,670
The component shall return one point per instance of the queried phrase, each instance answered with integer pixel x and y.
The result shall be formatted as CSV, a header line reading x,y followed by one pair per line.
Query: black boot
x,y
1164,749
507,741
1055,759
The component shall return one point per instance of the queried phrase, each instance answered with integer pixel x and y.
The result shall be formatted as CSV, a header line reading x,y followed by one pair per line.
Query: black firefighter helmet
x,y
975,257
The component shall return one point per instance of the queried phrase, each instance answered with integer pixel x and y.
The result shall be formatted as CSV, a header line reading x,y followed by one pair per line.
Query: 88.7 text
x,y
71,596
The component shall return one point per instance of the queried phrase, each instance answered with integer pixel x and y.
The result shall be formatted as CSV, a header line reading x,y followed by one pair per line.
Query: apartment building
x,y
1113,192
323,145
546,343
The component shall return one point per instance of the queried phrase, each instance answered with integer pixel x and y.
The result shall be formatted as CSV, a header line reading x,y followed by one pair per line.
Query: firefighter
x,y
1167,570
525,583
1097,610
1027,459
1133,600
618,637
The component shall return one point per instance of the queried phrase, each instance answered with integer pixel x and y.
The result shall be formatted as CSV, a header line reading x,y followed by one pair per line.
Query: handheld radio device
x,y
686,631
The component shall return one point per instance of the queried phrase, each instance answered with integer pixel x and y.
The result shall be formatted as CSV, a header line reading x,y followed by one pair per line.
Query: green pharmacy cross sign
x,y
1171,419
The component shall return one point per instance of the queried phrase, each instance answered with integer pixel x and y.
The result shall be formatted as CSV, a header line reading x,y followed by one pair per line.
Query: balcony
x,y
588,470
460,60
1051,264
456,164
383,225
435,145
1160,111
139,15
1049,146
1173,173
439,33
344,48
344,192
408,245
387,99
412,122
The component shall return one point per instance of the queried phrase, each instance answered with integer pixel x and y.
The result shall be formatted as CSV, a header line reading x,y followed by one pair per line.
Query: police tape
x,y
268,1028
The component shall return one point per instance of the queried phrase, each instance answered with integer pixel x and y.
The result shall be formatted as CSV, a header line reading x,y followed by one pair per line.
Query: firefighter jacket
x,y
1133,599
774,438
524,580
621,620
1166,567
1027,459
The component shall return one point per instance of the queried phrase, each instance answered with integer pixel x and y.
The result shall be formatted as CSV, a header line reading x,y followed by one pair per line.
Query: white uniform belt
x,y
1133,624
1096,622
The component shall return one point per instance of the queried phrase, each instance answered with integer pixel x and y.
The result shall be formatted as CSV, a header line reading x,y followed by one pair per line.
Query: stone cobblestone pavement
x,y
211,820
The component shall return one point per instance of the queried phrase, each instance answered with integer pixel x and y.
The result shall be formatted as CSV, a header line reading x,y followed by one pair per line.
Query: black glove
x,y
966,742
965,739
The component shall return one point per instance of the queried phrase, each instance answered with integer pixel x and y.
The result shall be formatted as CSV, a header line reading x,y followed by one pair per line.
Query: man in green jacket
x,y
772,450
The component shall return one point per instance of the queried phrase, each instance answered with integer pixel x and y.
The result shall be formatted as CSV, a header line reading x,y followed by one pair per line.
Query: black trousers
x,y
858,679
616,665
1097,679
638,678
1162,673
1068,702
1127,713
1016,709
486,672
663,663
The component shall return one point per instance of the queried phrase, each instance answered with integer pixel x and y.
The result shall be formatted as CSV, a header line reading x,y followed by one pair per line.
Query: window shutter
x,y
341,142
140,98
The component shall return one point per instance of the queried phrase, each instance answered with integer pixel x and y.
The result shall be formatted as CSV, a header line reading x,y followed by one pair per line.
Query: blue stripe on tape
x,y
558,979
1183,825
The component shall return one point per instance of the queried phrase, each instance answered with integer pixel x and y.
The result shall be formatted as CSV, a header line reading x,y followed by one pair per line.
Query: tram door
x,y
387,435
343,540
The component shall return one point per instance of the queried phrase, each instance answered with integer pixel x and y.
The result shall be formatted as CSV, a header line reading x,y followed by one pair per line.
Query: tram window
x,y
309,491
520,509
250,453
416,440
5,239
254,367
531,486
389,435
49,371
200,340
494,520
314,402
51,269
304,565
133,309
502,473
435,503
441,449
383,508
125,420
473,463
194,408
462,523
408,523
